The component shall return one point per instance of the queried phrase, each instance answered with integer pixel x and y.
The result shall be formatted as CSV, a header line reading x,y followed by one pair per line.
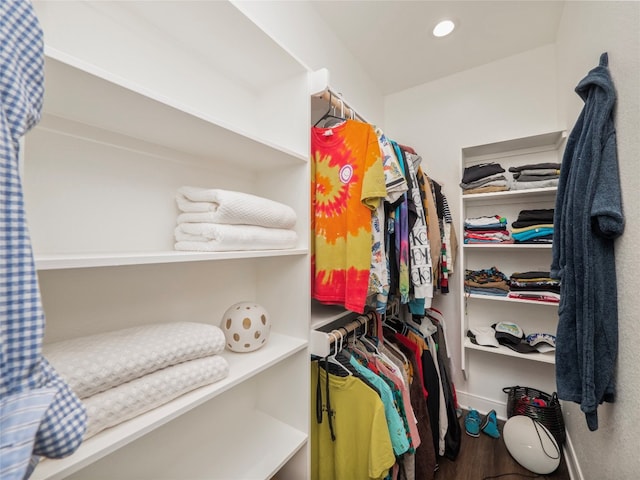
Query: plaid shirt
x,y
39,414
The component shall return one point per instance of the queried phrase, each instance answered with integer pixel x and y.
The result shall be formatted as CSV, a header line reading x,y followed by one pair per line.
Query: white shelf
x,y
268,446
71,87
501,350
64,261
142,98
496,298
260,454
507,257
322,315
500,246
242,366
514,146
509,195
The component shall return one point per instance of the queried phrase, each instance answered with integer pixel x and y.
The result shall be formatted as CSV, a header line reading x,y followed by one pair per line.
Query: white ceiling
x,y
392,40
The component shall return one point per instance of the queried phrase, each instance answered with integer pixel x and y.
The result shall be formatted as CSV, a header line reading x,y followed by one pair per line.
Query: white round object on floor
x,y
531,444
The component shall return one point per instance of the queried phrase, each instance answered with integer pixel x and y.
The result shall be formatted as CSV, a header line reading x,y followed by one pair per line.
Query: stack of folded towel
x,y
216,220
122,374
533,226
537,175
486,229
534,285
484,178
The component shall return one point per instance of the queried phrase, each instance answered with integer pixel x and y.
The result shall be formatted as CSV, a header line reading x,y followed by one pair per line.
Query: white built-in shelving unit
x,y
140,99
535,370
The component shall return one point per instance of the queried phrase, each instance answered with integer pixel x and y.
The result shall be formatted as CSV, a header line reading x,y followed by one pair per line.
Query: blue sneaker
x,y
472,423
490,425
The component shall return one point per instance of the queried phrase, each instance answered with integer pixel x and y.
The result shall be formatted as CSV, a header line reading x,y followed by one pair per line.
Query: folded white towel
x,y
128,400
96,363
212,237
225,206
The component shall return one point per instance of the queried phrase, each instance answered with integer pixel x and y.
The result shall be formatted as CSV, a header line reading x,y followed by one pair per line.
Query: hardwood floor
x,y
486,458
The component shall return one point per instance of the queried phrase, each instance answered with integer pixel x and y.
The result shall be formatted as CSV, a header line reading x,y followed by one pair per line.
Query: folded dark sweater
x,y
476,172
535,166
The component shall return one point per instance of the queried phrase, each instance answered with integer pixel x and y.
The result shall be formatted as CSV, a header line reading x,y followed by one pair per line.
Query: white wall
x,y
534,92
509,98
302,32
586,30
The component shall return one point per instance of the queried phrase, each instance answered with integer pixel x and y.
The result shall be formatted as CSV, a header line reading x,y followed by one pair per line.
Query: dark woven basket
x,y
550,415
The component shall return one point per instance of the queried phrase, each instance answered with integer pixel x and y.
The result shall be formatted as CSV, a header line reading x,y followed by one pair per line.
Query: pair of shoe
x,y
489,425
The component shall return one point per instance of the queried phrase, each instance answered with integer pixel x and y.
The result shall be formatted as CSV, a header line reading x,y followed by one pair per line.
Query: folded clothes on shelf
x,y
538,175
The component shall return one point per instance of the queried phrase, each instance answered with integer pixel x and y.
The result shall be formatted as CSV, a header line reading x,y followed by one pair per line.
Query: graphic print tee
x,y
347,185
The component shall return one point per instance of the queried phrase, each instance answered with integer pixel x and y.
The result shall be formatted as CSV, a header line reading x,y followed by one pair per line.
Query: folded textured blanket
x,y
96,363
211,237
121,403
237,208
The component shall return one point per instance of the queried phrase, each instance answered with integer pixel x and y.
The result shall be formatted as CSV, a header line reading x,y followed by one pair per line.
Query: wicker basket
x,y
550,415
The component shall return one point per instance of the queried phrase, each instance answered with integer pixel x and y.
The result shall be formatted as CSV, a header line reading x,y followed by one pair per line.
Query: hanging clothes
x,y
348,184
425,455
362,447
39,414
396,186
422,261
588,218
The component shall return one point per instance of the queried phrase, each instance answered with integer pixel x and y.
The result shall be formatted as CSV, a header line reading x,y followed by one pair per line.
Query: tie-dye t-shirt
x,y
347,184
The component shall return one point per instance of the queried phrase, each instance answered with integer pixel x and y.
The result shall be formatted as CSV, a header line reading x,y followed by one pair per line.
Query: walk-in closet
x,y
319,240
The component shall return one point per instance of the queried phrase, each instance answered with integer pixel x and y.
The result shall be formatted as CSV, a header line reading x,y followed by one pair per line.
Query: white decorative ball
x,y
531,444
246,326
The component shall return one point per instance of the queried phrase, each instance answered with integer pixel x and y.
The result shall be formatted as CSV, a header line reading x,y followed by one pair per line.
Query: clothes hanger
x,y
332,358
328,116
392,318
356,343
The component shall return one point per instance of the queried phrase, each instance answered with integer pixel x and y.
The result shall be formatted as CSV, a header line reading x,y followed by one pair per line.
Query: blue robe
x,y
588,217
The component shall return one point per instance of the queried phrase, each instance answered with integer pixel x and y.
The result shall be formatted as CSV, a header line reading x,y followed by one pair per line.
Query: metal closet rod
x,y
338,102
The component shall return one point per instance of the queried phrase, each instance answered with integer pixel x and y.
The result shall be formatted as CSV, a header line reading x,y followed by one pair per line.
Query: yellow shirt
x,y
362,449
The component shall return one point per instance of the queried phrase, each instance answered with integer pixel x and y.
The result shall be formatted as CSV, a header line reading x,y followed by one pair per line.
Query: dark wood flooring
x,y
486,458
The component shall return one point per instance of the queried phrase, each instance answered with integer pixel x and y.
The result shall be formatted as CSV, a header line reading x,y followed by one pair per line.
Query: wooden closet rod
x,y
350,327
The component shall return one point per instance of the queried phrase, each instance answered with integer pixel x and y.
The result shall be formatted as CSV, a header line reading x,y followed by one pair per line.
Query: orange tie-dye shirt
x,y
347,185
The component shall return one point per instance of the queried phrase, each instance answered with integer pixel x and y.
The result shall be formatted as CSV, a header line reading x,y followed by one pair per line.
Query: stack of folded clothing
x,y
534,285
487,229
216,220
489,281
124,373
484,178
533,226
536,175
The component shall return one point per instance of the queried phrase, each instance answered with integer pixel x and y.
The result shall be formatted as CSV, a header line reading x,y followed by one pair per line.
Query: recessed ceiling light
x,y
444,28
